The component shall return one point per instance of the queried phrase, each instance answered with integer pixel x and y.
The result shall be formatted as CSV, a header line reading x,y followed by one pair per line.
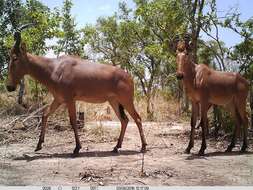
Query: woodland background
x,y
137,40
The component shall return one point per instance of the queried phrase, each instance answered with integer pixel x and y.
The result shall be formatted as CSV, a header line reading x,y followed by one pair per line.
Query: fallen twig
x,y
165,143
89,177
3,111
14,120
223,137
34,112
141,182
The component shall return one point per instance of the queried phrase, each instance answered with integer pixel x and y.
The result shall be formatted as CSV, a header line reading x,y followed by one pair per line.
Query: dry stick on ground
x,y
14,120
141,182
3,111
142,163
19,117
34,112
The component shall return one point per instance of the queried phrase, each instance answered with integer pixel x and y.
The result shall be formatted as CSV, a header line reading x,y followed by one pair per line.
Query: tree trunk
x,y
179,97
194,47
21,91
217,120
150,109
251,105
185,102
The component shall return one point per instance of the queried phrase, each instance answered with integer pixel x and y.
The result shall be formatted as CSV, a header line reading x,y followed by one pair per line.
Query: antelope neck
x,y
40,68
189,76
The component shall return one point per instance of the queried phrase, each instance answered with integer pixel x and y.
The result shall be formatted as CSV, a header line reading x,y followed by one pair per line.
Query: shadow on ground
x,y
217,153
71,156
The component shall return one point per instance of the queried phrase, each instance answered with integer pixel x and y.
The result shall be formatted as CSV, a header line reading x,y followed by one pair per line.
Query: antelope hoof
x,y
229,149
201,152
244,147
187,151
143,149
115,150
38,148
76,151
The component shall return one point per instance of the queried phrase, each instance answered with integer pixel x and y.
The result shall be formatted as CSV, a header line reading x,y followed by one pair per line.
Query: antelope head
x,y
183,48
18,58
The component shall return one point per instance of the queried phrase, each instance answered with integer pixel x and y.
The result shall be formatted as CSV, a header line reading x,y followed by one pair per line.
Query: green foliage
x,y
243,55
210,53
47,26
243,52
16,13
10,14
36,91
227,122
138,41
2,86
70,40
104,38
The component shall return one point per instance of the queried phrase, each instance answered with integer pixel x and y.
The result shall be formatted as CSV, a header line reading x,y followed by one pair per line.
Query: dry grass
x,y
96,112
164,109
9,105
14,130
100,133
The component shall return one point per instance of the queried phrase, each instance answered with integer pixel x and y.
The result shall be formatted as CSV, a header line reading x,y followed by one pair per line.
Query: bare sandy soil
x,y
163,164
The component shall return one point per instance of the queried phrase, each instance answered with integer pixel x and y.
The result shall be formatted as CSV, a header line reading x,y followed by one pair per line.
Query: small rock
x,y
101,183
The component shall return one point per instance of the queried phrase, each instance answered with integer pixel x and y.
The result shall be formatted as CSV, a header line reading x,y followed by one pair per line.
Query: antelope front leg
x,y
47,112
236,131
193,124
245,133
72,117
204,128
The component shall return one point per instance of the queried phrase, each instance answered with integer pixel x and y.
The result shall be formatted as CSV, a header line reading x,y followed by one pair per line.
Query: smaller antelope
x,y
70,79
204,87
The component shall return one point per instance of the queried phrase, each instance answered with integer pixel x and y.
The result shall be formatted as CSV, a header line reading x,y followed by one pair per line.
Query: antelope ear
x,y
173,44
23,48
190,46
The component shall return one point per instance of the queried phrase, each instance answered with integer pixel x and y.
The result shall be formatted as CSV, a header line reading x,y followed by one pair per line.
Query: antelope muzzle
x,y
179,76
10,88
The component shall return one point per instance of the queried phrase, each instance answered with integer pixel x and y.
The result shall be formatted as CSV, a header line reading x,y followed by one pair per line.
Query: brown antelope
x,y
69,80
204,87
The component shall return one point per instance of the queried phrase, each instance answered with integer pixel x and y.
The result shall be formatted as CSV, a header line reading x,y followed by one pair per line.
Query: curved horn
x,y
177,38
188,42
17,38
187,38
174,42
17,34
26,26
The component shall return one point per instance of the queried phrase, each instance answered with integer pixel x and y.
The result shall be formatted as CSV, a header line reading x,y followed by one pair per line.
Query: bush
x,y
227,122
36,90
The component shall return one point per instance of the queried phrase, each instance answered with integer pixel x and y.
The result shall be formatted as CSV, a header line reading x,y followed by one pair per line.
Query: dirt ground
x,y
163,164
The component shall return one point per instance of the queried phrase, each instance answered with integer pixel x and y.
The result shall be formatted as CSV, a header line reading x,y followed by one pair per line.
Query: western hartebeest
x,y
205,86
70,79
